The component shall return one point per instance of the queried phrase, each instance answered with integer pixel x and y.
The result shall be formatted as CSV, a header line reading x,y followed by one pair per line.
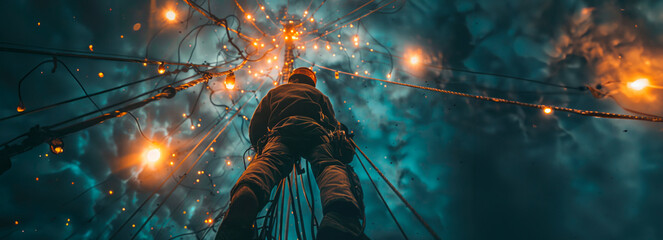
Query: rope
x,y
506,101
407,204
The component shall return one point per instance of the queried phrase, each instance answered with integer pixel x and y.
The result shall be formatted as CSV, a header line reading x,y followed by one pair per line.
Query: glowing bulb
x,y
336,75
639,84
20,107
153,155
161,69
230,81
56,145
110,192
547,110
248,16
101,75
170,15
414,60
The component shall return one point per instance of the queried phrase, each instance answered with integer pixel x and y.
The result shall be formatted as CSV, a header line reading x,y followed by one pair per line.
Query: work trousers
x,y
277,160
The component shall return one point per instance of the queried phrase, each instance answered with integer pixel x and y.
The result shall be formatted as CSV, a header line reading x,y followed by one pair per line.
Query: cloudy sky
x,y
472,169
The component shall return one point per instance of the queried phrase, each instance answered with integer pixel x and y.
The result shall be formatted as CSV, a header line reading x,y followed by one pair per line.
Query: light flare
x,y
153,155
639,84
170,15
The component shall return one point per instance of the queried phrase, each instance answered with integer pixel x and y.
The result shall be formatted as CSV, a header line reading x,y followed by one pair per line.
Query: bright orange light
x,y
230,86
248,16
547,110
20,108
639,84
58,150
170,15
101,75
153,155
414,60
161,69
110,192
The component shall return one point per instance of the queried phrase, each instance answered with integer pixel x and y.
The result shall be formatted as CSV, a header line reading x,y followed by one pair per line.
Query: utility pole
x,y
291,25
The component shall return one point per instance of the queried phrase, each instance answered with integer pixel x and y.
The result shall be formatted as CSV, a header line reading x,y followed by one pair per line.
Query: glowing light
x,y
91,48
639,84
336,75
153,155
124,209
230,81
228,163
16,222
311,19
161,69
170,15
414,60
137,26
110,192
56,145
547,110
101,75
20,107
248,16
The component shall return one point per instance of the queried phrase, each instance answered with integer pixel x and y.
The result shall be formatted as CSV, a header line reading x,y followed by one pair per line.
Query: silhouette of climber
x,y
297,120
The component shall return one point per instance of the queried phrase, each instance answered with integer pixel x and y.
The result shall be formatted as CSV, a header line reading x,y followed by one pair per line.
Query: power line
x,y
83,97
499,75
407,204
73,54
38,135
357,19
189,170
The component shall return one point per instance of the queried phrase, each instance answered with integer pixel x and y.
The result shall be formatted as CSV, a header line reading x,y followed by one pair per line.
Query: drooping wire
x,y
54,61
139,128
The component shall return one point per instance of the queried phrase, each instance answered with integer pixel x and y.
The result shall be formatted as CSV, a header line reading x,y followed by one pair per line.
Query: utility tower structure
x,y
291,25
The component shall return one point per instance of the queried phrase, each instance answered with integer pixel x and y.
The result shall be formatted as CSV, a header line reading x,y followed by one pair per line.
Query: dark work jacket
x,y
292,99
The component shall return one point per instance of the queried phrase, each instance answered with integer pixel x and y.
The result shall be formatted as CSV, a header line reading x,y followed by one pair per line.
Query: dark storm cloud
x,y
474,170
